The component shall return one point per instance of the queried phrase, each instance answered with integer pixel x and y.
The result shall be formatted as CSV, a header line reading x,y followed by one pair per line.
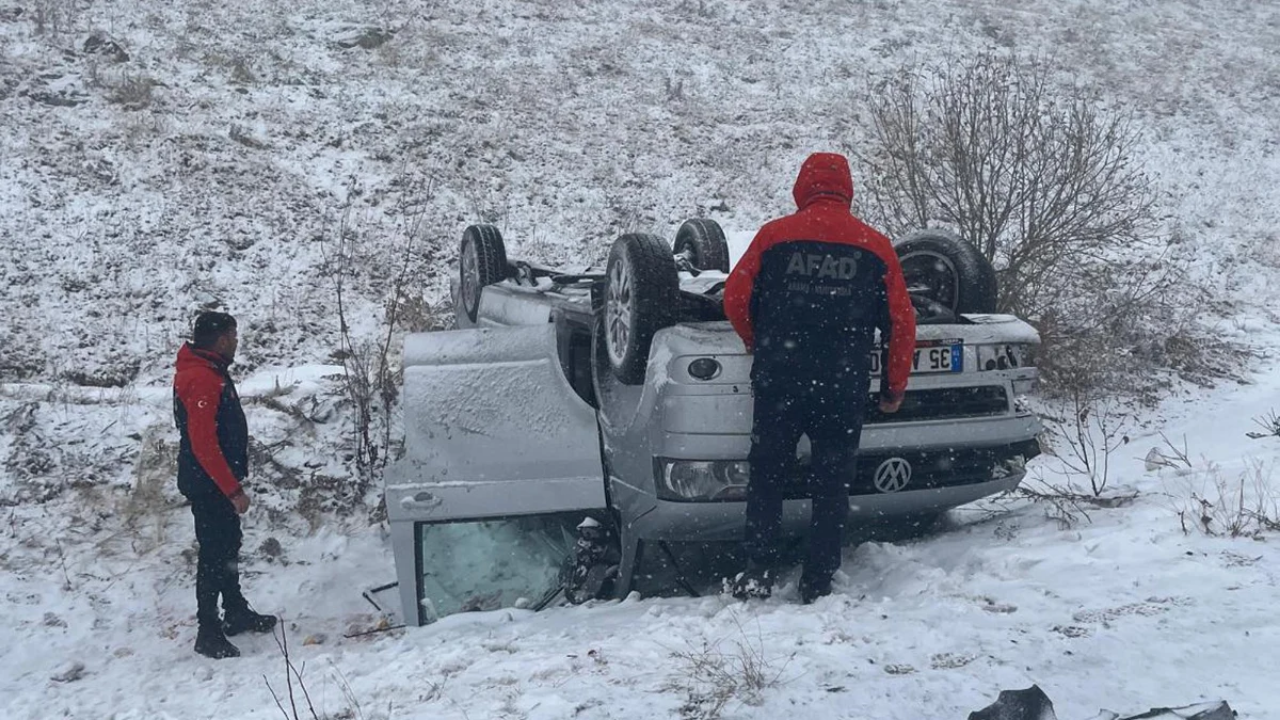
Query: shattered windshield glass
x,y
491,564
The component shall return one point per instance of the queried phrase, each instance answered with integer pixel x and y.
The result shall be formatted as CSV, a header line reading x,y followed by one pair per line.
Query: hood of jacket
x,y
824,176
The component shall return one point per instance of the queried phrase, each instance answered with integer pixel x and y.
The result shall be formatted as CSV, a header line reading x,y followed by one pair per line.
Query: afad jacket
x,y
213,455
814,286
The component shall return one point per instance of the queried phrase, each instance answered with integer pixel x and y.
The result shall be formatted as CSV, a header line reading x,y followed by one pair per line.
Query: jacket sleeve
x,y
901,330
737,291
200,397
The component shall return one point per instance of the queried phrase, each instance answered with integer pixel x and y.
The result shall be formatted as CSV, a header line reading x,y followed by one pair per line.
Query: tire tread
x,y
491,256
977,285
706,238
656,294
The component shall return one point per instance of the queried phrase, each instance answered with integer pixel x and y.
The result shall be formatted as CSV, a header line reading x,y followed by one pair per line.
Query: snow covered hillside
x,y
161,157
213,165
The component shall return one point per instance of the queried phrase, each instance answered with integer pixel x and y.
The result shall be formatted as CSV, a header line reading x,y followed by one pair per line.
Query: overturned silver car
x,y
579,420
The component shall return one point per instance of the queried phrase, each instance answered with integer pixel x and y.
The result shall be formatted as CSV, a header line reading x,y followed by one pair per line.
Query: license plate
x,y
946,357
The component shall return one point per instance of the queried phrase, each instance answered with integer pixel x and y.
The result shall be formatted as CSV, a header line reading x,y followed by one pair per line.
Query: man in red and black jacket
x,y
213,459
807,298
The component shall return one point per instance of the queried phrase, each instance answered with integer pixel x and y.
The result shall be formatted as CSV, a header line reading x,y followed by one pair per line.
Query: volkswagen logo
x,y
893,475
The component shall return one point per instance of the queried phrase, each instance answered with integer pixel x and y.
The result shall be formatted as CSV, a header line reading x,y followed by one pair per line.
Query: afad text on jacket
x,y
812,288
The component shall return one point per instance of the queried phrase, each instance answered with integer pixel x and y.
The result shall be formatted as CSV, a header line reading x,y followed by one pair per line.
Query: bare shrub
x,y
1171,457
695,9
243,136
1083,435
238,67
54,17
371,377
294,683
1270,424
1044,179
1216,504
1094,430
23,358
241,72
32,460
1066,502
1206,499
674,89
711,678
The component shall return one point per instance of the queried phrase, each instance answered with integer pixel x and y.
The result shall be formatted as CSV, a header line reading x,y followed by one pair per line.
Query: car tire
x,y
482,260
702,242
641,296
948,270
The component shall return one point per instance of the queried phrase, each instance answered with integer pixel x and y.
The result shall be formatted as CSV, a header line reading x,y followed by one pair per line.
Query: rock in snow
x,y
68,672
1029,704
1034,704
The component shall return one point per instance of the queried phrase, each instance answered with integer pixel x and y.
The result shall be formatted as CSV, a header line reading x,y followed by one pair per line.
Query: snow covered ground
x,y
1125,612
216,165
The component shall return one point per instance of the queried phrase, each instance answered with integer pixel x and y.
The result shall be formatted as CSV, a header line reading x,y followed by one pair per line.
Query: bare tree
x,y
1045,180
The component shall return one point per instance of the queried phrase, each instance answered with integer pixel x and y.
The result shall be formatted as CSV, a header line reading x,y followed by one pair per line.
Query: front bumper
x,y
724,521
937,479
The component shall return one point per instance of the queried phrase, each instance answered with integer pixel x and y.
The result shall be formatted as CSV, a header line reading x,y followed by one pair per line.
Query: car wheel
x,y
702,243
641,296
482,260
948,270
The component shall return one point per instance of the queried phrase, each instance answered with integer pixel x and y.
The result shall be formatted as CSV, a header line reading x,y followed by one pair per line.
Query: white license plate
x,y
947,358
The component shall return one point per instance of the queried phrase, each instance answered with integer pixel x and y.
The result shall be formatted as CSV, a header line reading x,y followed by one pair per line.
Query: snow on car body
x,y
627,396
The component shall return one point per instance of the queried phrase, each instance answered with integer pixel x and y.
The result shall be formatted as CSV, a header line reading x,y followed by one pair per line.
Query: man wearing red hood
x,y
807,298
213,459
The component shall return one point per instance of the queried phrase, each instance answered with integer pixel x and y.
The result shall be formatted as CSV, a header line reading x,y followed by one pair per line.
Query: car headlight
x,y
704,479
1005,356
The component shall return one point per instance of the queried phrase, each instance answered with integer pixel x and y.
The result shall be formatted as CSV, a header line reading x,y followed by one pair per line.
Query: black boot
x,y
211,643
811,590
245,620
754,582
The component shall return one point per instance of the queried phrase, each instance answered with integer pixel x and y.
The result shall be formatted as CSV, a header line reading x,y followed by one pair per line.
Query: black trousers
x,y
830,412
217,569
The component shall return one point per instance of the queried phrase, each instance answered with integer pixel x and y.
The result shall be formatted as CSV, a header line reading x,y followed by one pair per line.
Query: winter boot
x,y
811,590
246,620
754,582
211,643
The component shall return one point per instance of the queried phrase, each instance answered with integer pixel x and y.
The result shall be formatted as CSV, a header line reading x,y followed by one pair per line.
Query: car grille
x,y
929,469
942,468
944,404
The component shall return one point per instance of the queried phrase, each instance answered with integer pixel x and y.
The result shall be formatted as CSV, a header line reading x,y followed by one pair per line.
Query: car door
x,y
501,462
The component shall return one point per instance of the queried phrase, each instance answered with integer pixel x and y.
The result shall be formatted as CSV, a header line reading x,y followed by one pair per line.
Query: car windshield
x,y
493,563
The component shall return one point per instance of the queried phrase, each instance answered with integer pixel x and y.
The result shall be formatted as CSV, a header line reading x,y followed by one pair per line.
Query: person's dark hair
x,y
210,326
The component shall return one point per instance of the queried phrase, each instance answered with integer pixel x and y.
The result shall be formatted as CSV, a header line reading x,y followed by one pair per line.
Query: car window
x,y
491,564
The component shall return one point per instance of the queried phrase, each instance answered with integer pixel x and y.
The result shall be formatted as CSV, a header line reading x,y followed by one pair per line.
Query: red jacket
x,y
823,194
213,454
